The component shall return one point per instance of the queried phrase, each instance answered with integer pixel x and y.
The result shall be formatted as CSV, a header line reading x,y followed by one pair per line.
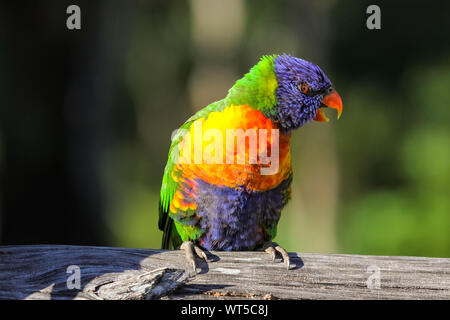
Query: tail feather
x,y
167,232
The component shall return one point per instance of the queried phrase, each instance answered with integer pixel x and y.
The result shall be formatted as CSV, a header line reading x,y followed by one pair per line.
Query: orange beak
x,y
331,100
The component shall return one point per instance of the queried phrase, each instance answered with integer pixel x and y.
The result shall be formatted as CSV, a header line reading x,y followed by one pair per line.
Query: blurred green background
x,y
86,117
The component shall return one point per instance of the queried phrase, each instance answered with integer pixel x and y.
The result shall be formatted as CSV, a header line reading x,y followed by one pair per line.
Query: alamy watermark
x,y
374,280
73,21
373,22
234,146
74,280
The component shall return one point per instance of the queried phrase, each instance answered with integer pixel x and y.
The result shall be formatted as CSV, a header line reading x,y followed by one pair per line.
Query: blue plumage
x,y
236,219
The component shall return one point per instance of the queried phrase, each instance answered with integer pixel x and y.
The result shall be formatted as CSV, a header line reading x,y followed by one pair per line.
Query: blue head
x,y
303,88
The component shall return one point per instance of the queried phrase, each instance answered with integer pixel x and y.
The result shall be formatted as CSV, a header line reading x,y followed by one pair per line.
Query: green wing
x,y
169,186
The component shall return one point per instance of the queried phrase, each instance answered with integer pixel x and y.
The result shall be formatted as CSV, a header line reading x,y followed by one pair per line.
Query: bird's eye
x,y
304,88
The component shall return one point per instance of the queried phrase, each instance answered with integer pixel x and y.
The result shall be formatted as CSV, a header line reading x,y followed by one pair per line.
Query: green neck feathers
x,y
256,88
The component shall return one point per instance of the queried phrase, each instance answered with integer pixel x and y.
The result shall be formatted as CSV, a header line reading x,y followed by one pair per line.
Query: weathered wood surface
x,y
40,272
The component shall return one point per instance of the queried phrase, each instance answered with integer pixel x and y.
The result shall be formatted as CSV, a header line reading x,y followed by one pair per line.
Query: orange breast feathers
x,y
235,147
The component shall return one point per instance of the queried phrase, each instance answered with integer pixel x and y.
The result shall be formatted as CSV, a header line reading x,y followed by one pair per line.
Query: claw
x,y
271,251
272,248
190,248
284,254
200,253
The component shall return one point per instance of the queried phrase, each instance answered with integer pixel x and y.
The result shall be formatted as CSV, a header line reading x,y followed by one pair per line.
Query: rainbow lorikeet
x,y
216,195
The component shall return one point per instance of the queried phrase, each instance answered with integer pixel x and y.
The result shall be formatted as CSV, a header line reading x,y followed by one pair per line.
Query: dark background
x,y
86,117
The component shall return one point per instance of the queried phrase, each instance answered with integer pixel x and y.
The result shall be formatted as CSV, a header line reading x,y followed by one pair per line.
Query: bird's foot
x,y
191,250
272,248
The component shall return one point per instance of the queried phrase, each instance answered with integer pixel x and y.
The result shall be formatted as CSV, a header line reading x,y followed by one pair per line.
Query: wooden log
x,y
50,272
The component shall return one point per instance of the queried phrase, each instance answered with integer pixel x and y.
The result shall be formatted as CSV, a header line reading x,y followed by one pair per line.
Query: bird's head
x,y
303,90
288,90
